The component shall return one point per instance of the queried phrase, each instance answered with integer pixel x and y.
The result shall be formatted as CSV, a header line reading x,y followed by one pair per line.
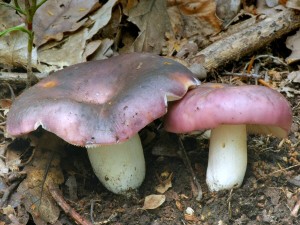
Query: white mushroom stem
x,y
119,167
227,160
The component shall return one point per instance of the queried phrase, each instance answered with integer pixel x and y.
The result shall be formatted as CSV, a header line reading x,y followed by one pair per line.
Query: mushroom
x,y
102,105
230,112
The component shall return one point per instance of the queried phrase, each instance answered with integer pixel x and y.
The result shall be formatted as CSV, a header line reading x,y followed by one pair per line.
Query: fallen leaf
x,y
293,4
290,92
294,76
54,18
13,50
204,9
152,19
5,103
268,7
188,217
176,20
153,201
70,52
194,20
104,51
101,17
8,210
165,183
227,10
179,205
36,197
293,43
8,18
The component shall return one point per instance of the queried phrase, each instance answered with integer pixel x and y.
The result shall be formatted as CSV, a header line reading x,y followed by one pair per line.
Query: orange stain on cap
x,y
217,86
50,84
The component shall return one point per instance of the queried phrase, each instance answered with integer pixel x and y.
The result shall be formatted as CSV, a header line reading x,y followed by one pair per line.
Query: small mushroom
x,y
230,112
102,105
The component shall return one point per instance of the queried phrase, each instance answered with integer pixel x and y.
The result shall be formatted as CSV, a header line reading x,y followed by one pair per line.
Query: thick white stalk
x,y
119,167
227,160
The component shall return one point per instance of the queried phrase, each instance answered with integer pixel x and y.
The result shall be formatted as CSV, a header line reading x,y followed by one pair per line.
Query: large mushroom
x,y
102,105
230,112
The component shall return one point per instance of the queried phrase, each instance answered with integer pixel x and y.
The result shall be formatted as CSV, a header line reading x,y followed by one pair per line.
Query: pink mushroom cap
x,y
101,102
209,105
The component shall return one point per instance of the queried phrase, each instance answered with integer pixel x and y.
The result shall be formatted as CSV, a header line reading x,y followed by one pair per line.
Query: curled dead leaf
x,y
153,201
165,182
293,43
179,205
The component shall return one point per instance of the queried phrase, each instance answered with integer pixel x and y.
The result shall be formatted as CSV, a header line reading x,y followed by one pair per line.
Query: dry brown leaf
x,y
70,52
188,217
202,9
153,201
152,19
165,183
8,210
54,18
101,17
13,50
104,51
268,7
293,43
294,76
5,103
293,4
227,9
179,205
129,4
176,20
36,196
8,18
13,46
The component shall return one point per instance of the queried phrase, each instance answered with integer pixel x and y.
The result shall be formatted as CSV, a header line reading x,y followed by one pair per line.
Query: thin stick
x,y
296,208
187,163
261,81
280,170
55,193
8,192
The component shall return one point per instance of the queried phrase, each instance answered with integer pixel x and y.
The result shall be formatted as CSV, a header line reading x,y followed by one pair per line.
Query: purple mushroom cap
x,y
262,109
101,102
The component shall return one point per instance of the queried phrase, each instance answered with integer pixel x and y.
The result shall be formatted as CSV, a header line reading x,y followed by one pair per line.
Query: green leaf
x,y
16,28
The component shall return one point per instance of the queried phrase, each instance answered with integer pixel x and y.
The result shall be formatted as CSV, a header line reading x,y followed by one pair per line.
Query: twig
x,y
8,192
18,79
248,40
92,211
29,159
251,75
187,163
107,220
55,193
14,176
280,170
296,208
14,220
229,204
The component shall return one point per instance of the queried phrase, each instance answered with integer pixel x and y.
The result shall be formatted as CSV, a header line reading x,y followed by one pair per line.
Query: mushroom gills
x,y
120,167
227,160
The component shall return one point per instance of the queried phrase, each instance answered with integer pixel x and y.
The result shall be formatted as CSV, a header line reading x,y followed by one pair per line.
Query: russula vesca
x,y
102,105
230,111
